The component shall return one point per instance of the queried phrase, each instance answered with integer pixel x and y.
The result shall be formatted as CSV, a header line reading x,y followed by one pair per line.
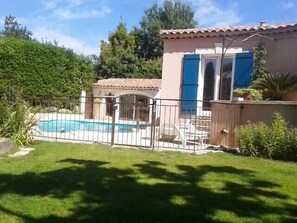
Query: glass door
x,y
209,81
216,86
226,79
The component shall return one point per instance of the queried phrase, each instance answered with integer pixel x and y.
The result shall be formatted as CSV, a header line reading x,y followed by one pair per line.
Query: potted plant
x,y
290,96
276,86
248,94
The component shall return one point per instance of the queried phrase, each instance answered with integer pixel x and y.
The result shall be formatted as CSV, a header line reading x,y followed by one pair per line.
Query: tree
x,y
150,68
138,53
260,68
117,58
172,15
13,29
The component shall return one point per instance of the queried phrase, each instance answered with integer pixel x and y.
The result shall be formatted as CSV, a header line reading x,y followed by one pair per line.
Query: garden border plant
x,y
248,93
17,118
275,86
277,141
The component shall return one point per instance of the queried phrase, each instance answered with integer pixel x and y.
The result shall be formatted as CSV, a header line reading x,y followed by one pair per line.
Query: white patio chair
x,y
185,134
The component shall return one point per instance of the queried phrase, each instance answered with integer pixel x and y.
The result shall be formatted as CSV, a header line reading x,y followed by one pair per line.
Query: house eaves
x,y
226,31
129,84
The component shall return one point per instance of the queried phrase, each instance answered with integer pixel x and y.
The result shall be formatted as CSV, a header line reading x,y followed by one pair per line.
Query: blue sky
x,y
82,24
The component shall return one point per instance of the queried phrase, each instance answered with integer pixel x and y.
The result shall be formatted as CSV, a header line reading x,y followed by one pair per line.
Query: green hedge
x,y
44,69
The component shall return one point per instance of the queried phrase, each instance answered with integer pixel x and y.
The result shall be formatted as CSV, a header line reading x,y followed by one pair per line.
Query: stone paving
x,y
5,145
21,152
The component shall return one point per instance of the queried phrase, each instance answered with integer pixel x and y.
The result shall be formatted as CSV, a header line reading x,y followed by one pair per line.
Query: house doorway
x,y
134,107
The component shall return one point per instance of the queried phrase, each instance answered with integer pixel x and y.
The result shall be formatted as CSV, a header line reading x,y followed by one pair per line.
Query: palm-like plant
x,y
17,121
276,85
19,125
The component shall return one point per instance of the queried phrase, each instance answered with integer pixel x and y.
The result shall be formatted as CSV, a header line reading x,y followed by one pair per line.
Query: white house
x,y
128,93
209,63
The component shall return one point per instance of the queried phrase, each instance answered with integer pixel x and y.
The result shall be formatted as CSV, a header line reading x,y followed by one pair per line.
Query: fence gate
x,y
133,121
158,124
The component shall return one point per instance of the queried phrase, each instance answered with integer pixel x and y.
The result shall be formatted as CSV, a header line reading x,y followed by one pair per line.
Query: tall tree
x,y
13,29
171,15
138,53
117,57
260,68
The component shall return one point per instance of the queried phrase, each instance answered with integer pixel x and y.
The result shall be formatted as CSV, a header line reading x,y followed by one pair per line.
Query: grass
x,y
91,183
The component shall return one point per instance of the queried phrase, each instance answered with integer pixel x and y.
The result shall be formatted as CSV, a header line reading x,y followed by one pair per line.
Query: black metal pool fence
x,y
151,123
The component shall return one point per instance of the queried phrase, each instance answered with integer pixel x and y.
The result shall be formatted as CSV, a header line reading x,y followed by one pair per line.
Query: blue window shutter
x,y
243,70
189,85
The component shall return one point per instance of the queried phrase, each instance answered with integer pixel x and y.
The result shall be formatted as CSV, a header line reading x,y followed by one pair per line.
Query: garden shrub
x,y
248,93
290,149
275,142
16,120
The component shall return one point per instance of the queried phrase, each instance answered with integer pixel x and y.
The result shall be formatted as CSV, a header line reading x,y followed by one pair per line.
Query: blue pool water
x,y
71,125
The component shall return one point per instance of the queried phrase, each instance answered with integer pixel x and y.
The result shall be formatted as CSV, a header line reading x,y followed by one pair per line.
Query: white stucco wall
x,y
281,56
99,109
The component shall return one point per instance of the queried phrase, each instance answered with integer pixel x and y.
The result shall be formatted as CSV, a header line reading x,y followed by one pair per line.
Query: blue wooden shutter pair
x,y
242,78
243,70
189,85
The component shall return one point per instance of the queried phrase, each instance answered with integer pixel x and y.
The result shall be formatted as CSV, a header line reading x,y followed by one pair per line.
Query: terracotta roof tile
x,y
130,84
231,30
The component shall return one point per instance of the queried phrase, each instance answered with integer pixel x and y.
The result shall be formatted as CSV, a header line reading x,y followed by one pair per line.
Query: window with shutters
x,y
203,81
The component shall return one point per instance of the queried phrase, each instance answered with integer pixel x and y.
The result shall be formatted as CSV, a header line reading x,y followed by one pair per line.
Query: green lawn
x,y
91,183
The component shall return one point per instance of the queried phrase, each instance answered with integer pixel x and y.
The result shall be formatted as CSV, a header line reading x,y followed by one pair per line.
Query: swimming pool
x,y
74,125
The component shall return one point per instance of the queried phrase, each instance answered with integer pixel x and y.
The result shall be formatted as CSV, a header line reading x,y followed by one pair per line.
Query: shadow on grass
x,y
121,195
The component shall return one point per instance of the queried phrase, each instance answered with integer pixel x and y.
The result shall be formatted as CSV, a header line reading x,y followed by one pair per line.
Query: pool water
x,y
71,125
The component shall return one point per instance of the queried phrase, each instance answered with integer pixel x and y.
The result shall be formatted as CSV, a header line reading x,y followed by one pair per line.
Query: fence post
x,y
114,108
153,125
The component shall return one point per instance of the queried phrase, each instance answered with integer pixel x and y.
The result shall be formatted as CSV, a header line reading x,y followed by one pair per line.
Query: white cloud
x,y
209,14
288,5
75,2
83,14
74,9
78,47
50,4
